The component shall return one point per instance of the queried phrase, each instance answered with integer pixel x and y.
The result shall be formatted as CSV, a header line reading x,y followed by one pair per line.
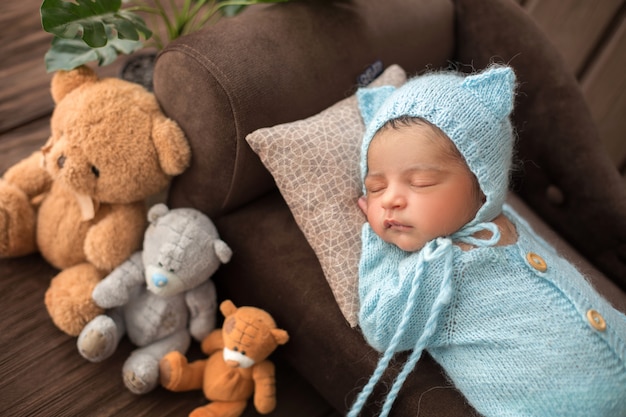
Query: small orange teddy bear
x,y
237,366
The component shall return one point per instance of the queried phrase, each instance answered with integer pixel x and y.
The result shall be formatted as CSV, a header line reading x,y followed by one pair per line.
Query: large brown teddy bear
x,y
237,366
81,199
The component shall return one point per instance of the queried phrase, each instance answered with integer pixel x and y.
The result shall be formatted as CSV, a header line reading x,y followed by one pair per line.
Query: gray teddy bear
x,y
160,297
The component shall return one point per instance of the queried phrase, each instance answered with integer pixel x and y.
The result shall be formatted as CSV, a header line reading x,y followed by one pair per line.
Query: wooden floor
x,y
41,372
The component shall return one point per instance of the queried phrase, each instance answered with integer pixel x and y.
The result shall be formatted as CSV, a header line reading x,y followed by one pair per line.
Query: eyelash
x,y
374,190
422,185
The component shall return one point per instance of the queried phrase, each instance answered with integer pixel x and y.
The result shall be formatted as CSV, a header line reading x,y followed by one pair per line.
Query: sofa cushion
x,y
315,163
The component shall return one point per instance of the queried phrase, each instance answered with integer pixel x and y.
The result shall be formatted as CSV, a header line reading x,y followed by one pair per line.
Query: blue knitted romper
x,y
518,330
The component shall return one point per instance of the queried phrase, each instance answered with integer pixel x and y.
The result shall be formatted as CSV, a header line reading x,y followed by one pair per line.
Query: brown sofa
x,y
290,61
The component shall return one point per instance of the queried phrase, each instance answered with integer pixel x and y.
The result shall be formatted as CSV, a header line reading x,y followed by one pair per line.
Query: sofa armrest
x,y
277,64
564,172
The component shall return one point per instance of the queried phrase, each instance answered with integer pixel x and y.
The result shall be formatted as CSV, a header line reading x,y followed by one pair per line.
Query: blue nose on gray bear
x,y
159,280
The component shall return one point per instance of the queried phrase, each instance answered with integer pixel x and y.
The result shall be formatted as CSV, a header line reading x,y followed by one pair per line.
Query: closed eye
x,y
374,185
374,190
423,184
95,171
424,179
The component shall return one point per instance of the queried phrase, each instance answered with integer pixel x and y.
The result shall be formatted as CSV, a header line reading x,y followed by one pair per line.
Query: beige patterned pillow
x,y
315,163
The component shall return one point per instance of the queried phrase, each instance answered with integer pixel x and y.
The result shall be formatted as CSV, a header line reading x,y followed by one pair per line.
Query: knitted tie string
x,y
433,250
443,298
466,234
443,248
383,362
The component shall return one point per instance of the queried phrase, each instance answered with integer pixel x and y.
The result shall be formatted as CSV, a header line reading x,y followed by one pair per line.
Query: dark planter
x,y
138,68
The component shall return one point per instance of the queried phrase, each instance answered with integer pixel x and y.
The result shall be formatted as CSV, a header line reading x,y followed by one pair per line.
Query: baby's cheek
x,y
450,214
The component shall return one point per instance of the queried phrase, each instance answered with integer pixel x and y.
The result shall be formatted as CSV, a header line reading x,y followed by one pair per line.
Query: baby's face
x,y
416,189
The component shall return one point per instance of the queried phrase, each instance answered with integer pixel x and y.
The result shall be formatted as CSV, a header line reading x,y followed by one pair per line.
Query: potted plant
x,y
100,30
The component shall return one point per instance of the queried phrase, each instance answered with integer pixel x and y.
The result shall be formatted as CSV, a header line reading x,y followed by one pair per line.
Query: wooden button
x,y
596,320
536,262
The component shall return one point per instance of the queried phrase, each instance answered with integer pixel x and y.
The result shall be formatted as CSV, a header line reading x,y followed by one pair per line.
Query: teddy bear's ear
x,y
157,211
222,250
171,145
280,336
65,81
227,308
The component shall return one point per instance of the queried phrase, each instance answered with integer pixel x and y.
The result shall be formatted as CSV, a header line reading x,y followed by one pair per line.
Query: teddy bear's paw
x,y
108,294
140,373
98,340
17,222
202,412
68,299
220,409
170,369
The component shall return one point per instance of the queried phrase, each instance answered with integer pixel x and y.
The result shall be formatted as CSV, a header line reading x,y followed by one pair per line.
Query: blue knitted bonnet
x,y
473,111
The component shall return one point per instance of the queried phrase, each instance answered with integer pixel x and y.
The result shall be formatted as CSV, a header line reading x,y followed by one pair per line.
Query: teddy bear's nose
x,y
159,280
61,161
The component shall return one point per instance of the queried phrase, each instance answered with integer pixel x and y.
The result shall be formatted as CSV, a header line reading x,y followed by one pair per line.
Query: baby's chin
x,y
407,239
407,245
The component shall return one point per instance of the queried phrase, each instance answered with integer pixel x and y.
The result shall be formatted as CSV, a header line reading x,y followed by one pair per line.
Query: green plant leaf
x,y
67,54
136,26
89,20
230,8
230,11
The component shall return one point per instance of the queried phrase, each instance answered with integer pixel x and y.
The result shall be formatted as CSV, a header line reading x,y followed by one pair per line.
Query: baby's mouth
x,y
394,224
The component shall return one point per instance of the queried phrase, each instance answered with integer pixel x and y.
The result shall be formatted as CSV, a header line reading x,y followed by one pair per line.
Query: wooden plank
x,y
604,87
24,83
24,94
574,26
21,31
21,142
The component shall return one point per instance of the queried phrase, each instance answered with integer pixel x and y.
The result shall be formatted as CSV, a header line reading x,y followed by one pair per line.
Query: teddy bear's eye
x,y
95,171
161,266
236,349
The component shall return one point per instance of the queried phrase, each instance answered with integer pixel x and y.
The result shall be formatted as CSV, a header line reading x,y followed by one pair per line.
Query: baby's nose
x,y
393,198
